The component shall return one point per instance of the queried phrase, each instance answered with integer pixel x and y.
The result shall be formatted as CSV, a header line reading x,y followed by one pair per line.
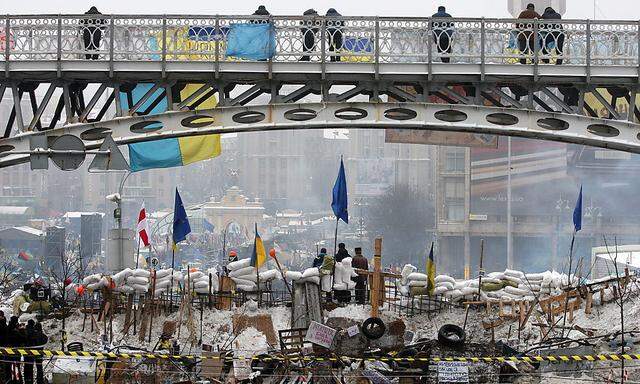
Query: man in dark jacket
x,y
15,339
553,35
261,11
309,30
334,29
342,252
360,262
40,340
30,341
317,262
525,32
442,33
92,32
5,368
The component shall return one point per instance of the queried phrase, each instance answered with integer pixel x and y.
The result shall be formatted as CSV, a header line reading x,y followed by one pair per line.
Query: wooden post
x,y
375,289
480,271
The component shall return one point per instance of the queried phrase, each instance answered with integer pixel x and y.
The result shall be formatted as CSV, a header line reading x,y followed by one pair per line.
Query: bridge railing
x,y
321,39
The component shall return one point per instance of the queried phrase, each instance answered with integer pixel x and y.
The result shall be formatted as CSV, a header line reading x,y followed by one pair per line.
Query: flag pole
x,y
173,259
138,252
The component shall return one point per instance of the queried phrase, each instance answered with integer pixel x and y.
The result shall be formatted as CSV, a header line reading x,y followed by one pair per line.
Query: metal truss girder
x,y
514,103
298,94
567,128
43,105
556,100
93,102
612,111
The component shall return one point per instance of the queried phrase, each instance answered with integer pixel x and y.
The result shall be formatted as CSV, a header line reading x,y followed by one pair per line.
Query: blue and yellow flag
x,y
259,255
431,273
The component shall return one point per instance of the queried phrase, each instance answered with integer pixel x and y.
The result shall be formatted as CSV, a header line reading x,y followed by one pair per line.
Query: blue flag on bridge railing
x,y
251,41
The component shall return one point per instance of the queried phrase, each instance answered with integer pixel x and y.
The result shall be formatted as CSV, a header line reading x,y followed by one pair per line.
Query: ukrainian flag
x,y
431,273
259,255
173,152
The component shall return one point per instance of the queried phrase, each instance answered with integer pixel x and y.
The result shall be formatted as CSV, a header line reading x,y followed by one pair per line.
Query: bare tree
x,y
8,275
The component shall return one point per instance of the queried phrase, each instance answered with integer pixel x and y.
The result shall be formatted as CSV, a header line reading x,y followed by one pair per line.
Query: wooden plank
x,y
375,289
589,304
312,298
299,313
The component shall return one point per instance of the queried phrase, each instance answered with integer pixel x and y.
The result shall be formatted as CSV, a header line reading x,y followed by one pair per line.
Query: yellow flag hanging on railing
x,y
431,272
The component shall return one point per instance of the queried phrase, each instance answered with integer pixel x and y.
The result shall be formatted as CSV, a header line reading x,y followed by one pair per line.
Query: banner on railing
x,y
251,41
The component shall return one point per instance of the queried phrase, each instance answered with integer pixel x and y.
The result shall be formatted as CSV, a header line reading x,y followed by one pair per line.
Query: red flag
x,y
143,226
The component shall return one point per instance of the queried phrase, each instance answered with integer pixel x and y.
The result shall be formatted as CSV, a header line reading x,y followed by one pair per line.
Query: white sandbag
x,y
513,273
242,272
473,283
269,275
133,280
91,279
340,286
417,283
512,279
515,291
163,273
461,284
351,285
105,281
345,273
178,276
120,277
247,287
293,275
534,276
439,290
494,294
406,271
195,275
446,284
242,281
163,284
417,276
139,288
201,284
204,290
141,273
325,283
311,279
496,275
469,291
310,272
444,279
239,264
491,280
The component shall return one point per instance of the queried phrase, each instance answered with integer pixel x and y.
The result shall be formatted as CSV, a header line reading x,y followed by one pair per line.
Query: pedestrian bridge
x,y
78,71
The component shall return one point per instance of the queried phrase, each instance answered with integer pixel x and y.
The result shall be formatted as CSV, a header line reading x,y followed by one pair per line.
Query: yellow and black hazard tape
x,y
487,359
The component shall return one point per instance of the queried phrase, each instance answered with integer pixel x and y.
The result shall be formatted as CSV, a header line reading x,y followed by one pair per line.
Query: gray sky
x,y
576,9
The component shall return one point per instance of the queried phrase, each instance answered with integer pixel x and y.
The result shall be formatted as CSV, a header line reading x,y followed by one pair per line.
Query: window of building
x,y
455,211
455,160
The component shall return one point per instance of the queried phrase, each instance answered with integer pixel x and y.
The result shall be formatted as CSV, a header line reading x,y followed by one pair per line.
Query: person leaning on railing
x,y
92,32
334,29
552,36
525,32
442,33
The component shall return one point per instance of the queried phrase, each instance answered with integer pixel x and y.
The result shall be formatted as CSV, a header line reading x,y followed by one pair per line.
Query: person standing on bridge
x,y
261,11
334,29
92,32
525,32
442,33
309,30
553,36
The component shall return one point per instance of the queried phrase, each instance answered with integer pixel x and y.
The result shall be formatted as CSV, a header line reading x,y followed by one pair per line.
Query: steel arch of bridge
x,y
567,128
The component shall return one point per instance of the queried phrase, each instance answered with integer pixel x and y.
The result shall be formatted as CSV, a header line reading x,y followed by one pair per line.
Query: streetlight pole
x,y
118,216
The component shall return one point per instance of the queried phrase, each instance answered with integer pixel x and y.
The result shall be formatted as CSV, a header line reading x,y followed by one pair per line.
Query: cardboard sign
x,y
320,334
453,372
353,330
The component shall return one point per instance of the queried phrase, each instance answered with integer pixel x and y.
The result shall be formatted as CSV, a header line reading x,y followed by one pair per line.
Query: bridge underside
x,y
553,126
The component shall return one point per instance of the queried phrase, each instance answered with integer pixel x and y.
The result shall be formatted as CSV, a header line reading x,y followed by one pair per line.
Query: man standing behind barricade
x,y
40,340
326,269
14,340
525,32
317,262
30,342
360,262
442,34
92,32
553,36
261,11
309,30
5,367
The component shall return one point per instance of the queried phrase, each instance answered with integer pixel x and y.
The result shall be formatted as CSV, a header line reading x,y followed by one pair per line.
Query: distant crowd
x,y
14,370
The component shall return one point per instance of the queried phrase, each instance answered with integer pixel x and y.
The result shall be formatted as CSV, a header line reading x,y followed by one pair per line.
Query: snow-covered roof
x,y
624,254
30,230
11,210
77,215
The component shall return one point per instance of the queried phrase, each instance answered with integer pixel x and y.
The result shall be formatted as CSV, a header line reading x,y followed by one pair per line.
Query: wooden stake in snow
x,y
375,284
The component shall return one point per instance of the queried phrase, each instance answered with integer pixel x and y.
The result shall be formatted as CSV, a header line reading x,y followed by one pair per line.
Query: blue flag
x,y
181,227
577,213
251,41
207,226
339,203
